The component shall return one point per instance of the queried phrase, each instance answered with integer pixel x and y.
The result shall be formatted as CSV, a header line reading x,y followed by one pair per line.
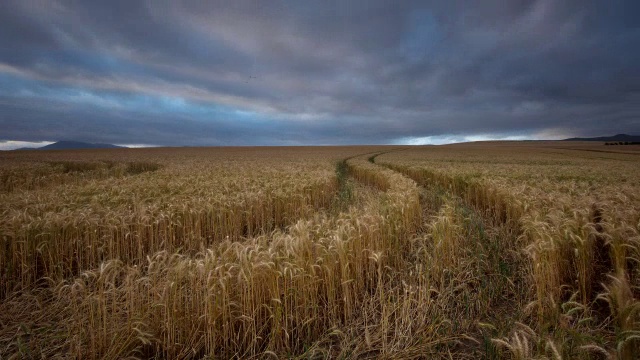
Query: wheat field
x,y
499,250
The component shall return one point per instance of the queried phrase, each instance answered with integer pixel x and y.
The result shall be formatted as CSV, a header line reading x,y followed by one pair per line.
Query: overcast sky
x,y
316,72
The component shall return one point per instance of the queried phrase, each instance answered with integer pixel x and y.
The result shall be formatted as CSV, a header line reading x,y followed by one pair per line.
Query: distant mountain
x,y
619,137
71,145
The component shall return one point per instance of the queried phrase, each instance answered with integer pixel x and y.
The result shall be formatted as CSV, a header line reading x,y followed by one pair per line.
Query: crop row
x,y
59,232
583,245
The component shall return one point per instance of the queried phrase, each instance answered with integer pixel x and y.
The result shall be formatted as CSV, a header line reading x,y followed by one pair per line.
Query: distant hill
x,y
619,137
68,145
71,145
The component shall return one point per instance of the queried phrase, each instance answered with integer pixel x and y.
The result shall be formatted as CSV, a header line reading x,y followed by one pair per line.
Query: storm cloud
x,y
316,72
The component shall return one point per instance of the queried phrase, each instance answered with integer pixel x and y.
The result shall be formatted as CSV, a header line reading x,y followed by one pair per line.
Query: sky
x,y
217,73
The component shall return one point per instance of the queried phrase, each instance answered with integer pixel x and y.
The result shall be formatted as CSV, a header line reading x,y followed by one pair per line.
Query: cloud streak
x,y
257,73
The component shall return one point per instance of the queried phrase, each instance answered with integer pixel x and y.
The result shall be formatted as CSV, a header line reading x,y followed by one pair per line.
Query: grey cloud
x,y
323,72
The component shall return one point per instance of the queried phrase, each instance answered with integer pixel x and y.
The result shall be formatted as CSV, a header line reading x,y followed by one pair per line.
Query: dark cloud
x,y
325,72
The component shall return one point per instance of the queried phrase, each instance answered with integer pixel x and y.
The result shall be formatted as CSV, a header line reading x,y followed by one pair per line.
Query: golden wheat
x,y
520,250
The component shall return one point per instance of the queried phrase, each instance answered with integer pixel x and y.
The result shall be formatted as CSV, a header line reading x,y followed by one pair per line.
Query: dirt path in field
x,y
501,274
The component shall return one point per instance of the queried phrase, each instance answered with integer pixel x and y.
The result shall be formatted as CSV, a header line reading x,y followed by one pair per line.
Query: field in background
x,y
485,250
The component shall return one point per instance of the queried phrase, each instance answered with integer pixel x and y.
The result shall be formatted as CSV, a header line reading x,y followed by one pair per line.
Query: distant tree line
x,y
623,143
